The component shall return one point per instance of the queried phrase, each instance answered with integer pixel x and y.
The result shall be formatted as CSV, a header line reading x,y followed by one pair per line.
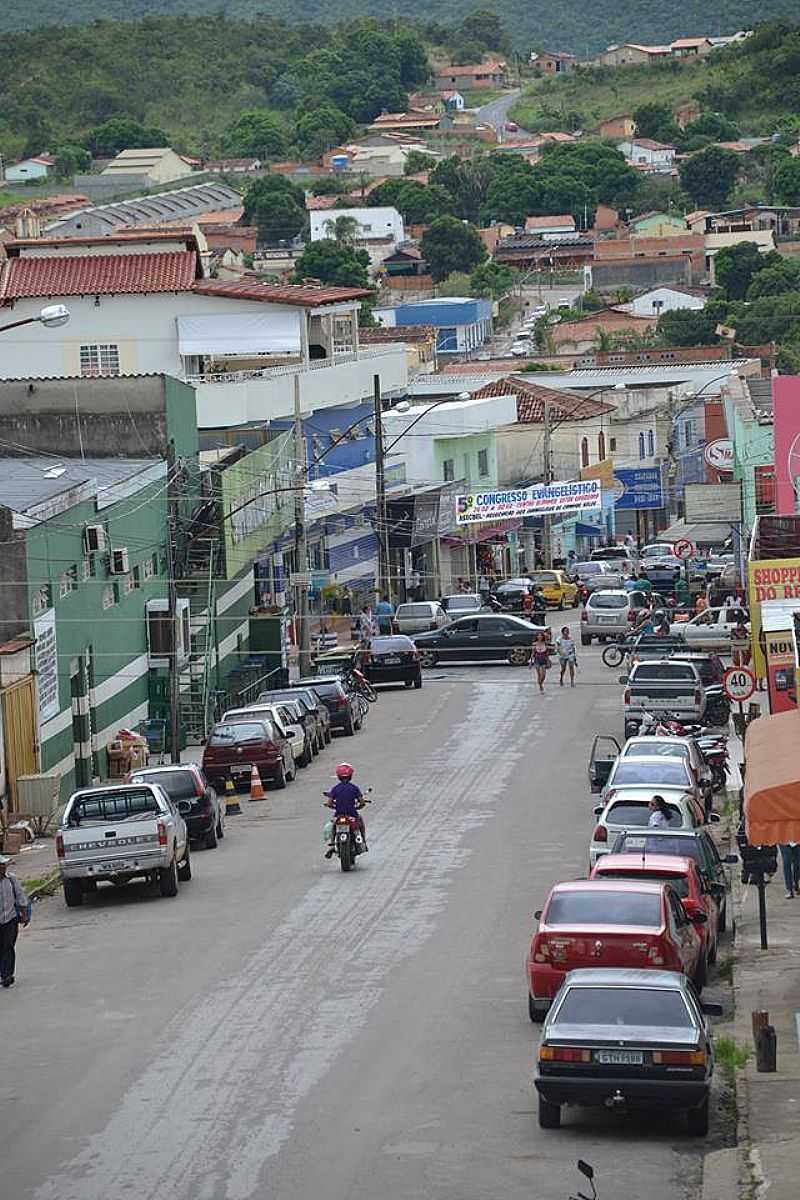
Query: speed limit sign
x,y
739,683
684,549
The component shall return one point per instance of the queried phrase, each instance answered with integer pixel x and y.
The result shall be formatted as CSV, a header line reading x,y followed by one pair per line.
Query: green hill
x,y
556,24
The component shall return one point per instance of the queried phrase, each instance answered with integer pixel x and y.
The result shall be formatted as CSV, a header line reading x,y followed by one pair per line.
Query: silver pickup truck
x,y
120,833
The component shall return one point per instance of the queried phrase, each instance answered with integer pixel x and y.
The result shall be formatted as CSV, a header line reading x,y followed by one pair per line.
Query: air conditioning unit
x,y
119,561
94,538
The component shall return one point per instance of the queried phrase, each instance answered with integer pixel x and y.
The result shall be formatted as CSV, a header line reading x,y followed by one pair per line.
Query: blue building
x,y
323,427
462,324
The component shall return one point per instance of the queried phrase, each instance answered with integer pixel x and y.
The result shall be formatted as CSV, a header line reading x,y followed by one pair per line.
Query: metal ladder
x,y
196,674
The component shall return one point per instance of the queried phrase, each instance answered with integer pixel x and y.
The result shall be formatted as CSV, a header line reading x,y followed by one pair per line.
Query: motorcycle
x,y
356,681
348,841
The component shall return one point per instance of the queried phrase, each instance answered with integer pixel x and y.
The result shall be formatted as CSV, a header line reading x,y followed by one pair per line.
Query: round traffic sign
x,y
684,548
739,683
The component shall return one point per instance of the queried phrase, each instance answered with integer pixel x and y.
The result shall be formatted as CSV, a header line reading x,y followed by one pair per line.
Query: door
x,y
497,637
460,640
19,735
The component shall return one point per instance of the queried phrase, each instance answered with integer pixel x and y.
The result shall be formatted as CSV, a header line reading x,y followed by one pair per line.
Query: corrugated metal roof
x,y
27,482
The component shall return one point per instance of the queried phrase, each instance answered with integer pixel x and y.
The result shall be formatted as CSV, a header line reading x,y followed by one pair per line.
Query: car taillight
x,y
199,790
626,699
341,703
162,834
564,1054
59,846
365,658
600,834
679,1058
415,655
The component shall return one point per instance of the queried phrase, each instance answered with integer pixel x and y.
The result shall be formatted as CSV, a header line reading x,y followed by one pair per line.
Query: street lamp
x,y
51,316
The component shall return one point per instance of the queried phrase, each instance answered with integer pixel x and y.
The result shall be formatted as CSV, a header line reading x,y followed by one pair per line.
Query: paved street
x,y
496,111
283,1031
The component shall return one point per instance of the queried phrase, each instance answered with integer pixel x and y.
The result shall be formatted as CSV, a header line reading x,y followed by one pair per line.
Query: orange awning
x,y
772,780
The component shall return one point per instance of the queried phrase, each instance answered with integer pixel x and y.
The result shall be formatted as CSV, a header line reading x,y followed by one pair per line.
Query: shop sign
x,y
44,630
719,454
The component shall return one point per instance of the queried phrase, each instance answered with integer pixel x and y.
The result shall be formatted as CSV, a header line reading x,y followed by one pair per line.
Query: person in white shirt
x,y
567,655
13,913
660,814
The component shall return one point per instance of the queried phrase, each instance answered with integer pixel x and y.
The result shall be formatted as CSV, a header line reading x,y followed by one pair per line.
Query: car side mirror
x,y
712,1010
598,808
731,859
538,914
184,807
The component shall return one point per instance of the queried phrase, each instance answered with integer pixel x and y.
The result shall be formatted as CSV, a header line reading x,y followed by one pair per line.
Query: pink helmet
x,y
344,771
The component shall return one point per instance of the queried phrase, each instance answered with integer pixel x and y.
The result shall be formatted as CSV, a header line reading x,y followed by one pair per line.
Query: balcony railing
x,y
315,364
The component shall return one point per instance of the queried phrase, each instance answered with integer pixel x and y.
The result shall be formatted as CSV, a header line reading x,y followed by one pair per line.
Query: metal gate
x,y
19,734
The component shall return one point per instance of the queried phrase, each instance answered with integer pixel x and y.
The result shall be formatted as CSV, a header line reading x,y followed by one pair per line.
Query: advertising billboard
x,y
769,580
257,502
713,502
638,487
537,501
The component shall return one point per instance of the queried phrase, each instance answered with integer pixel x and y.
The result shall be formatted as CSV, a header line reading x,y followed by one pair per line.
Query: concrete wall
x,y
13,580
641,272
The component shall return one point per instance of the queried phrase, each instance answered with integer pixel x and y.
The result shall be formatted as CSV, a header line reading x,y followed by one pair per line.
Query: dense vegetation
x,y
557,24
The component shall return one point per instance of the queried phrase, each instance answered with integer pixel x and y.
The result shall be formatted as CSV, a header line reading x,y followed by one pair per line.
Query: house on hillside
x,y
555,228
37,167
632,54
587,333
159,164
615,128
688,111
649,154
232,166
783,220
556,62
656,224
379,230
658,300
472,77
405,122
691,47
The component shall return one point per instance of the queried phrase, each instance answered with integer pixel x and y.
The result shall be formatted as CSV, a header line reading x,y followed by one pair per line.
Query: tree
x,y
713,126
456,284
123,133
709,176
486,29
276,206
332,263
323,127
786,181
774,279
417,202
451,245
256,132
418,160
734,268
491,279
656,121
342,229
771,319
69,160
687,327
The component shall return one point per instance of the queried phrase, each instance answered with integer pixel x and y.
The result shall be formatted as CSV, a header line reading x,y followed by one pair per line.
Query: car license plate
x,y
391,660
606,620
619,1058
115,868
638,843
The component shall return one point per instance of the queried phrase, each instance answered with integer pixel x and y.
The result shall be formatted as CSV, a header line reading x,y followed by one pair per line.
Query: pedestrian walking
x,y
790,861
347,602
14,911
367,625
540,659
384,611
567,655
740,645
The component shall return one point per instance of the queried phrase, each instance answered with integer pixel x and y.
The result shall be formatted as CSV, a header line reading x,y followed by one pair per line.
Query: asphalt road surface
x,y
496,111
282,1031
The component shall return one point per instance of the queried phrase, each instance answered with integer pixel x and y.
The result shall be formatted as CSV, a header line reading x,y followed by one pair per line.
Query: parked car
x,y
686,748
463,604
205,814
711,670
343,709
657,771
683,876
620,557
663,572
480,638
392,659
511,126
596,576
662,686
558,590
592,923
696,844
627,1039
316,719
711,629
656,550
611,614
628,808
419,616
288,723
513,591
119,833
232,749
523,349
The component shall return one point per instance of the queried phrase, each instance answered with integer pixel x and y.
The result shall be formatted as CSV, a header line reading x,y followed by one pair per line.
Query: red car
x,y
598,923
682,875
234,746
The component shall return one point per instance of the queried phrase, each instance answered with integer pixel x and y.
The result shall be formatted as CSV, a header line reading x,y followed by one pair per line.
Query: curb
x,y
46,887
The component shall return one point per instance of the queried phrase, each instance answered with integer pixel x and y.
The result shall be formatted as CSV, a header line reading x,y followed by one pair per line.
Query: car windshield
x,y
467,603
326,688
604,908
179,785
657,551
414,610
607,600
629,812
664,843
679,883
668,771
649,1007
389,645
543,578
227,735
113,806
660,748
300,697
672,672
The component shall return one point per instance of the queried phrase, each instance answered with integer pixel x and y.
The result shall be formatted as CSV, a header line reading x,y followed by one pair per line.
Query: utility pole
x,y
302,621
547,530
384,582
172,600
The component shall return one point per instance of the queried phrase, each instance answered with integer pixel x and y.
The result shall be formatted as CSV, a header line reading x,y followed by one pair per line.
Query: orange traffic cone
x,y
256,786
232,804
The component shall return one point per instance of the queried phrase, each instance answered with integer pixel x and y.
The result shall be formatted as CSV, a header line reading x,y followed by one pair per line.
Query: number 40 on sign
x,y
739,683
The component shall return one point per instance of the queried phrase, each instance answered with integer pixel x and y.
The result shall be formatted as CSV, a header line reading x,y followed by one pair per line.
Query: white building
x,y
648,154
380,230
461,419
658,300
38,167
159,164
142,303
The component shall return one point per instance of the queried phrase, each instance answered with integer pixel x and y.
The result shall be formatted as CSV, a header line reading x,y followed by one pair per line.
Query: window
x,y
147,569
109,596
68,582
449,470
87,569
612,444
447,340
483,462
612,908
101,359
128,583
40,600
584,452
601,445
651,444
643,1007
688,433
641,445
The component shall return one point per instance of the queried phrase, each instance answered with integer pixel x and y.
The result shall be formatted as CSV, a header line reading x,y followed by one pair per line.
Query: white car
x,y
711,629
657,550
628,808
653,772
420,616
285,723
522,349
649,746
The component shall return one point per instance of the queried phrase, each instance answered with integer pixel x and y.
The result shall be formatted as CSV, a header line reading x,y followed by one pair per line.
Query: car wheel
x,y
349,728
697,1120
280,778
585,641
536,1010
220,828
549,1114
168,879
518,656
427,658
316,747
306,756
185,869
291,774
210,840
418,681
73,893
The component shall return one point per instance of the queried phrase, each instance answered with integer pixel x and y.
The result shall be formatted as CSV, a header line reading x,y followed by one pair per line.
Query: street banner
x,y
541,500
770,579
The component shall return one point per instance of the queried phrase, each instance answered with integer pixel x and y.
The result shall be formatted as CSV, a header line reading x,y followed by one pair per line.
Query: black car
x,y
342,706
482,638
315,719
511,593
696,844
187,785
627,1039
391,659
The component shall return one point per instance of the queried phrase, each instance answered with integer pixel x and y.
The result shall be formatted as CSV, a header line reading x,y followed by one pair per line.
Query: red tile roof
x,y
98,275
564,406
319,203
306,295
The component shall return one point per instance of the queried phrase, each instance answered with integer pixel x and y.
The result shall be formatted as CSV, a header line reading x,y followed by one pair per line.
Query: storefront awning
x,y
772,780
700,533
583,529
221,334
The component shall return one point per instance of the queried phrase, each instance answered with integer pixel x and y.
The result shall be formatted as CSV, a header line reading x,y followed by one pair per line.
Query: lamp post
x,y
51,316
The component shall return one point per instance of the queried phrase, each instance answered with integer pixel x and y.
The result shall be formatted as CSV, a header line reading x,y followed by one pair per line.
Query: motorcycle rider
x,y
539,603
346,800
